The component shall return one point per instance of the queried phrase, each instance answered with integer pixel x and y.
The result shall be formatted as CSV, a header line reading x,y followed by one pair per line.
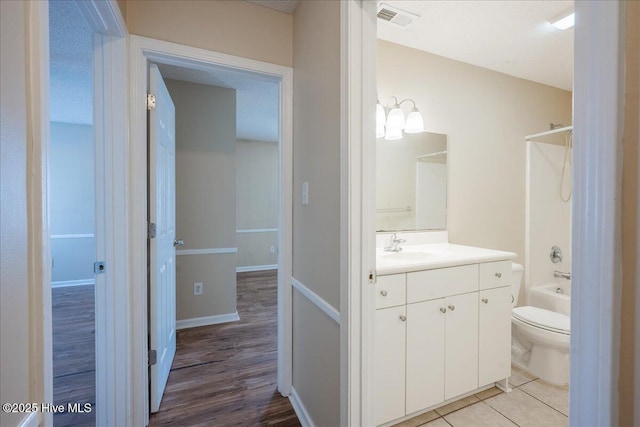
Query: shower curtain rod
x,y
549,132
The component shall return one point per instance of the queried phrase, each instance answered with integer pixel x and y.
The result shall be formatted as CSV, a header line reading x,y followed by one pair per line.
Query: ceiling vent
x,y
393,15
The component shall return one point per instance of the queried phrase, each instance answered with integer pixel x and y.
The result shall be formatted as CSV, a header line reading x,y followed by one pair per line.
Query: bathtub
x,y
555,297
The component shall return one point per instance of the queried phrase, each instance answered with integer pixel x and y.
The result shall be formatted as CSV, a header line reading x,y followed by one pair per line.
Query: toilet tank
x,y
516,281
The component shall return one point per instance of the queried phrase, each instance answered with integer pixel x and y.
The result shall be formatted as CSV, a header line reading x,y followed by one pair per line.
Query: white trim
x,y
300,409
207,251
248,268
72,236
104,17
68,283
30,420
257,230
595,304
205,321
327,308
358,89
142,50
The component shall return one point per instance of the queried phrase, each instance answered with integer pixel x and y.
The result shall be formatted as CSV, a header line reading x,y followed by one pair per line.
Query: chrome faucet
x,y
394,244
562,275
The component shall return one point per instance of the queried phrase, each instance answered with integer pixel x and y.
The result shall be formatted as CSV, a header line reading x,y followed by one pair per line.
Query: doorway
x,y
170,58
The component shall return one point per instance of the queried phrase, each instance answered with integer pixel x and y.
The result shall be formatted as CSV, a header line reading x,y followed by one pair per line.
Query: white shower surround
x,y
547,218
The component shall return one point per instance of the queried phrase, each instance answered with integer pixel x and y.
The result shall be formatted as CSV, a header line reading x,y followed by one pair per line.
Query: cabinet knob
x,y
485,300
383,293
403,317
452,307
498,275
443,310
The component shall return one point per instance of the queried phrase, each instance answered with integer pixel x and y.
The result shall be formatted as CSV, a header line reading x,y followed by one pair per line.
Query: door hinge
x,y
99,267
151,102
151,230
372,277
153,357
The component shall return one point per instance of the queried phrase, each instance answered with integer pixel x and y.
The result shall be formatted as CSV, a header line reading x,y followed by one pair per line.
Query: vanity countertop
x,y
430,256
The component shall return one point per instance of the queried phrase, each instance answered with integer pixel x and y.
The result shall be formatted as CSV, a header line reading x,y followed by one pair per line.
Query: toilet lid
x,y
545,319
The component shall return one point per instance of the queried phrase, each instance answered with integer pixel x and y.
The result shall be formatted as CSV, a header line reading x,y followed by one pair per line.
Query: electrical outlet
x,y
197,288
272,249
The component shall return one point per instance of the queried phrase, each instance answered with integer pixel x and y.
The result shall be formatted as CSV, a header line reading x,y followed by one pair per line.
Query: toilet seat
x,y
544,319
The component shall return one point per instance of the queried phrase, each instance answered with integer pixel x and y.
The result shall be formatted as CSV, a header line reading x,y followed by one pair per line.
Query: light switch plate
x,y
305,193
197,288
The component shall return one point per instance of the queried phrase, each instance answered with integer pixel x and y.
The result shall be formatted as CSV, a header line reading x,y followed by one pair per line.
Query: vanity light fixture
x,y
564,21
394,123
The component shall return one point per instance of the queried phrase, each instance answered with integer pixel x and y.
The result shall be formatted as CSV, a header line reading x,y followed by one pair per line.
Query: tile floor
x,y
531,403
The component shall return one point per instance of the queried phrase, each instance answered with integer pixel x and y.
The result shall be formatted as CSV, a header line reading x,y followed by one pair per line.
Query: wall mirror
x,y
411,183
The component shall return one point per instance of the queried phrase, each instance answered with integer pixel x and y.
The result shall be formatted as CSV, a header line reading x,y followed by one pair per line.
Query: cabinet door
x,y
495,335
390,350
391,290
425,354
461,344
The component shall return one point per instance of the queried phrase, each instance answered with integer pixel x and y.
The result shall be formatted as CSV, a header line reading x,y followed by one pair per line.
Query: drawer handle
x,y
403,318
485,300
443,310
498,275
452,307
383,293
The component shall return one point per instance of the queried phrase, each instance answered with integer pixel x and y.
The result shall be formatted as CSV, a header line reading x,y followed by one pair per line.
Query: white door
x,y
425,354
495,335
390,340
162,209
461,348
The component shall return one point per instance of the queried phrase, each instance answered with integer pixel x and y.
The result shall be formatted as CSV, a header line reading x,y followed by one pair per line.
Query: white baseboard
x,y
249,268
30,420
205,321
300,410
65,283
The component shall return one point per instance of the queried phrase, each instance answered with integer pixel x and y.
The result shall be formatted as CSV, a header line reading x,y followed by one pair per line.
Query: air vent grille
x,y
393,15
386,14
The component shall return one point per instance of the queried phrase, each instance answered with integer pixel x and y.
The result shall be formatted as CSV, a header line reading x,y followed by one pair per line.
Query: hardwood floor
x,y
225,375
74,365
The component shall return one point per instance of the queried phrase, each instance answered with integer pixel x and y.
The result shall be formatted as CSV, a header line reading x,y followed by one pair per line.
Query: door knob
x,y
485,300
452,307
383,293
443,310
403,318
498,275
178,242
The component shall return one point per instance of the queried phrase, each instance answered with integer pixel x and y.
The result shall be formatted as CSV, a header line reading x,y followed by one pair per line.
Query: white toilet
x,y
540,338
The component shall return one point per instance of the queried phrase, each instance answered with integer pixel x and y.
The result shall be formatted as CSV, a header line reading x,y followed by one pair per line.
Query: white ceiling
x,y
71,64
512,37
286,6
257,98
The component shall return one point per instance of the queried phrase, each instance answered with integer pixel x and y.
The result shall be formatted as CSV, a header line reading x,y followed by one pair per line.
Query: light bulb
x,y
395,119
415,123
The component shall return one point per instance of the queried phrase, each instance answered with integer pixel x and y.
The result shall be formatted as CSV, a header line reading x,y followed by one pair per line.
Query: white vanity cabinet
x,y
448,333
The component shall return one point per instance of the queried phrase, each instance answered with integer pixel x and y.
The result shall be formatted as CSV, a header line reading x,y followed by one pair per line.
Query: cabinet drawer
x,y
495,274
391,290
441,282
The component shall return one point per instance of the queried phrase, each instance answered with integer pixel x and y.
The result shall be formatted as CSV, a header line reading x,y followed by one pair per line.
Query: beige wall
x,y
629,346
14,303
122,5
227,26
257,201
316,227
485,115
205,197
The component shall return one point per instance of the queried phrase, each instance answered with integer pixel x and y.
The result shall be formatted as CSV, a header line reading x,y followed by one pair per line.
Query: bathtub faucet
x,y
562,275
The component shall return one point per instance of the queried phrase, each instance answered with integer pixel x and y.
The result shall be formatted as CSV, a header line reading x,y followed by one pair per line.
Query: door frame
x,y
110,133
596,209
142,51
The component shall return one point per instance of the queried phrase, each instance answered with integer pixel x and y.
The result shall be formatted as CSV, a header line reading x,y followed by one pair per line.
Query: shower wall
x,y
548,217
